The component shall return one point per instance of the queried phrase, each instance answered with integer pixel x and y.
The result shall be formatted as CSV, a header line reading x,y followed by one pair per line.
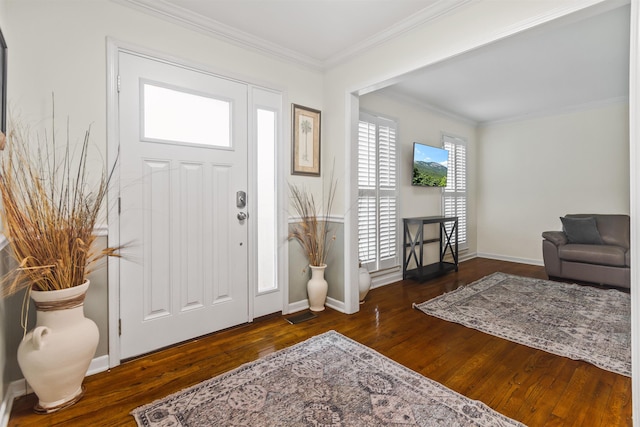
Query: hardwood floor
x,y
531,386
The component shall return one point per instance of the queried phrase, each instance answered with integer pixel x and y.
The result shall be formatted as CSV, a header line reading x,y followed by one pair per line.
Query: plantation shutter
x,y
454,196
367,223
377,193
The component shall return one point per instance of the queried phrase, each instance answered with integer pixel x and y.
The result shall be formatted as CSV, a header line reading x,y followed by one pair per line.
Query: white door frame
x,y
114,47
634,155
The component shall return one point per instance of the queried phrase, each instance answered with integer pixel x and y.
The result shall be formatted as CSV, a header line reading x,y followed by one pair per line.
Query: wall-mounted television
x,y
429,166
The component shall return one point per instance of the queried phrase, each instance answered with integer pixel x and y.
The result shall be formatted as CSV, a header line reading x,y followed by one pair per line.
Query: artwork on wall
x,y
306,141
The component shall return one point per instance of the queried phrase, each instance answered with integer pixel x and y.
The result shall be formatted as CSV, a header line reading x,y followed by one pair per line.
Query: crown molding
x,y
185,18
435,11
576,108
548,112
402,97
566,10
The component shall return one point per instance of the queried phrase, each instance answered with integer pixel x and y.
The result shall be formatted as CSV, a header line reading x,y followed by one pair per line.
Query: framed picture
x,y
3,84
306,141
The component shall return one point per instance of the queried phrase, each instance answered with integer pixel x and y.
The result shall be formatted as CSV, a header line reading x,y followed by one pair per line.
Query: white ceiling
x,y
569,63
316,33
552,68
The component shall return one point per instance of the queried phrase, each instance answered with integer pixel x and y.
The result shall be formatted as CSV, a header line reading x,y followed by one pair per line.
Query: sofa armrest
x,y
556,237
552,263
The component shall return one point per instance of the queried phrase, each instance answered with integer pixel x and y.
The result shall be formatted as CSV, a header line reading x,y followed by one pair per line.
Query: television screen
x,y
429,166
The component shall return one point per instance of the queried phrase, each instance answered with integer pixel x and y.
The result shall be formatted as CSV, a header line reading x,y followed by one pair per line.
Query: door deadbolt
x,y
241,199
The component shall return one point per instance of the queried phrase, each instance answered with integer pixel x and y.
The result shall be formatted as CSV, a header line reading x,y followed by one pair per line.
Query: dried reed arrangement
x,y
313,229
49,211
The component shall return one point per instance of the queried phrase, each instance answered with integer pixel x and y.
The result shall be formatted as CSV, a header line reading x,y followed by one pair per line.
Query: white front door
x,y
183,168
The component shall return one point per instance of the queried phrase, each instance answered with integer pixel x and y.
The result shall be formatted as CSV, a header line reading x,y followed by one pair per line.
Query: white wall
x,y
419,124
59,46
531,172
469,27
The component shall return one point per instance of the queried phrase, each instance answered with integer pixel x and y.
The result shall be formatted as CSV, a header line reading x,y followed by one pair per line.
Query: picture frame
x,y
306,140
3,84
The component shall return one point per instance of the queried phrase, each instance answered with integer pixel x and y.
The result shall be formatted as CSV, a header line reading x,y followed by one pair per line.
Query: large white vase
x,y
317,288
55,355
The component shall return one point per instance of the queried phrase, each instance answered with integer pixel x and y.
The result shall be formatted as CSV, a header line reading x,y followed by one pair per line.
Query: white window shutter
x,y
377,193
366,155
367,242
454,196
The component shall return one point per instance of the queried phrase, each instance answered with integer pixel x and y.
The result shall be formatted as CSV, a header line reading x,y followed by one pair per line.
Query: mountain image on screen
x,y
431,174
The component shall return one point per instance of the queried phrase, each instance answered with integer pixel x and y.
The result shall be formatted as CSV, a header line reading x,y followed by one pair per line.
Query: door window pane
x,y
176,116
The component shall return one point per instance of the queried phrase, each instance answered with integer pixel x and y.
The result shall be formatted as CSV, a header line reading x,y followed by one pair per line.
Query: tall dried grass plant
x,y
50,206
312,231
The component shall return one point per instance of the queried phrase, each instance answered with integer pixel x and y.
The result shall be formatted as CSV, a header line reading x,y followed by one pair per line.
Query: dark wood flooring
x,y
531,386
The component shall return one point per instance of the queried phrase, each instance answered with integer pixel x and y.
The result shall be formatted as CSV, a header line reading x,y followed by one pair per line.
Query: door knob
x,y
242,216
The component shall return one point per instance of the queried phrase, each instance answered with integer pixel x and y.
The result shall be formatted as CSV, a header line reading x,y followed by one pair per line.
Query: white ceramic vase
x,y
364,283
55,355
317,288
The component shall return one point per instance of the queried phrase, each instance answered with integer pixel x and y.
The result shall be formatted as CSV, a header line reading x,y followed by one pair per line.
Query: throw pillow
x,y
581,230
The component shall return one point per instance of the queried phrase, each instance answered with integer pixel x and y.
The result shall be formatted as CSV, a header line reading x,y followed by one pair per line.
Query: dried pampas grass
x,y
50,206
313,229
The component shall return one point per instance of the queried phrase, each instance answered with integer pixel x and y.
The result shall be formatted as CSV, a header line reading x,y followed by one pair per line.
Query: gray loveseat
x,y
591,248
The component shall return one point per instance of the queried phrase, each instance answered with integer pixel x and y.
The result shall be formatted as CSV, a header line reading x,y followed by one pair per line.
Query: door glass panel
x,y
171,115
266,209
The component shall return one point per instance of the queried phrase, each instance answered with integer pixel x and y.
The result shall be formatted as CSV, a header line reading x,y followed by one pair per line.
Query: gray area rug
x,y
578,322
328,380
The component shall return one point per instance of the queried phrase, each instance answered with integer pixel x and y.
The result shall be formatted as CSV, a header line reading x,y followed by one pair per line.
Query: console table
x,y
448,242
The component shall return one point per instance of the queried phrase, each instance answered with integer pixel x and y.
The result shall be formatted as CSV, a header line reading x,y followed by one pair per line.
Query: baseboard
x,y
304,305
385,278
5,409
377,280
466,256
511,259
21,388
98,364
335,304
395,275
16,389
294,307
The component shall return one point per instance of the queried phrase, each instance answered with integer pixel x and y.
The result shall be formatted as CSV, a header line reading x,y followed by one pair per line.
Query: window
x,y
454,196
178,116
266,199
377,193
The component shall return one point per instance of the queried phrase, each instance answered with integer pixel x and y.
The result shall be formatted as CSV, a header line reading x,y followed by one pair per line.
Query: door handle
x,y
242,216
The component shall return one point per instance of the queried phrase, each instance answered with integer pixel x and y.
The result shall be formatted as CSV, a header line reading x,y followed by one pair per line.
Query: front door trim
x,y
113,48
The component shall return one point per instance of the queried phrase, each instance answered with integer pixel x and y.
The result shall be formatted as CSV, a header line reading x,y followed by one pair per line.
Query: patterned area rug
x,y
579,322
328,380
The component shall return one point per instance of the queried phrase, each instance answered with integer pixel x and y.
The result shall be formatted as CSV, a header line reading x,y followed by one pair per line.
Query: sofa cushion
x,y
581,230
593,254
614,229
